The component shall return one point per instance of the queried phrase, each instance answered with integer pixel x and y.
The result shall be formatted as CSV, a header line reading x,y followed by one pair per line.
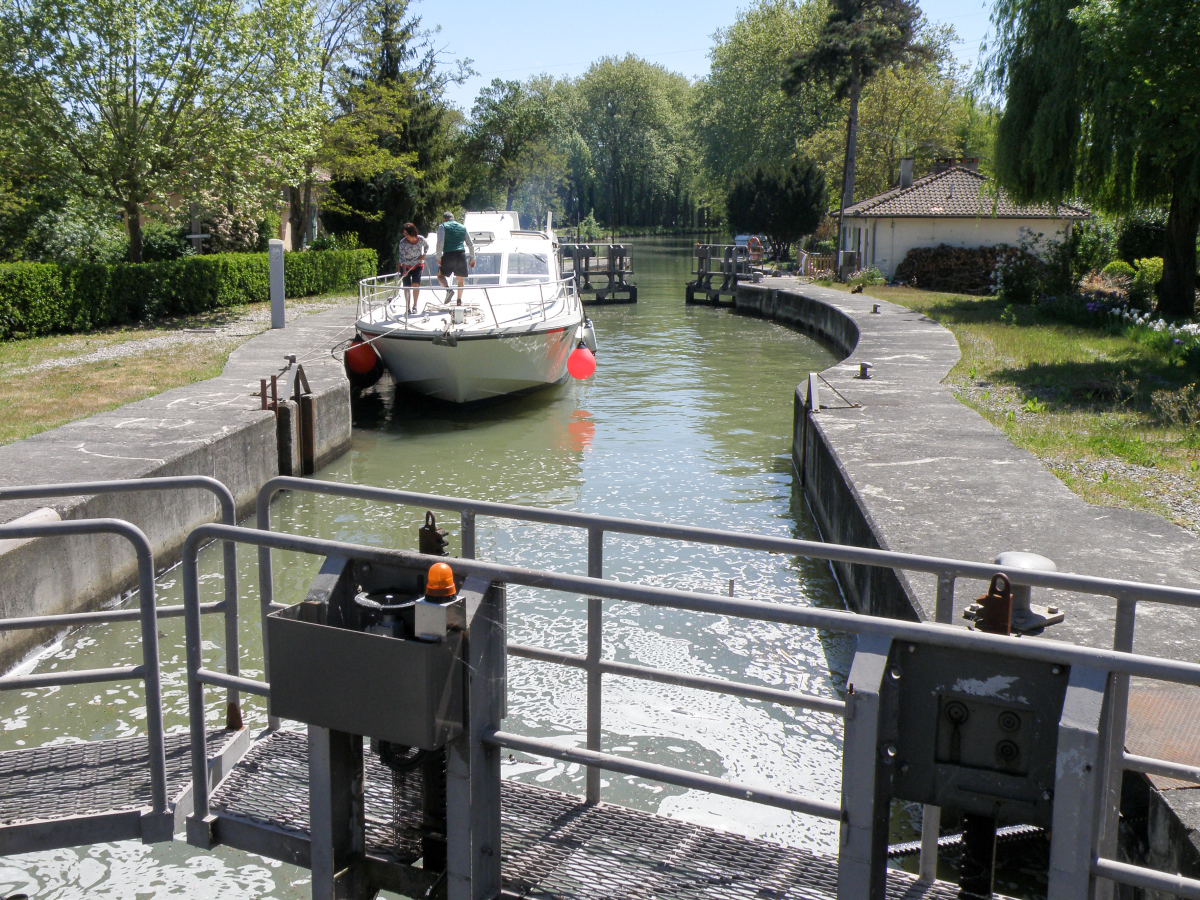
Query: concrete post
x,y
275,257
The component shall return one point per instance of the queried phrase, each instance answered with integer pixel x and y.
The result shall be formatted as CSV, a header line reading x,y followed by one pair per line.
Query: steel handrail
x,y
948,636
228,507
1048,651
369,289
148,671
1126,593
954,568
668,774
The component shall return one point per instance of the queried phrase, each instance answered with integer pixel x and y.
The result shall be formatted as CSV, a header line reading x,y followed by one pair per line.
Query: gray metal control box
x,y
405,691
976,732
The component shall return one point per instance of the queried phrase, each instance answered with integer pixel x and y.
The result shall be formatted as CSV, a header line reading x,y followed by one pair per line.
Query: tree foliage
x,y
129,102
508,140
784,206
1102,101
389,145
744,119
857,40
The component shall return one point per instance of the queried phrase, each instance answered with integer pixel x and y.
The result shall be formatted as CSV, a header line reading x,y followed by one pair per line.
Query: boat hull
x,y
479,367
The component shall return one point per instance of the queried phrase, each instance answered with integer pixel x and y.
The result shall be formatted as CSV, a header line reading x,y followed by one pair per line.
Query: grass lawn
x,y
1078,398
35,398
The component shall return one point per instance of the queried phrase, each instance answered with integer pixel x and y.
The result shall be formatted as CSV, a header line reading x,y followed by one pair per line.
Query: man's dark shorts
x,y
413,277
454,262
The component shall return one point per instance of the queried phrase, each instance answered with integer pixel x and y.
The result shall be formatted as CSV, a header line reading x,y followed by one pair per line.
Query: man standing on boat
x,y
453,241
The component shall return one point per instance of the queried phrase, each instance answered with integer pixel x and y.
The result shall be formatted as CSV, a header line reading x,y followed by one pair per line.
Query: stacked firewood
x,y
961,270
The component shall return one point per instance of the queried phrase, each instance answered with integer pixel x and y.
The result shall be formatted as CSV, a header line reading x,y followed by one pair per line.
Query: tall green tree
x,y
508,137
784,206
858,39
743,117
400,134
632,116
1102,101
129,102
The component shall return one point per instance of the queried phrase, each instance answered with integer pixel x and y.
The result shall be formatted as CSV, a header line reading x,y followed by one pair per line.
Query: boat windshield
x,y
527,267
486,270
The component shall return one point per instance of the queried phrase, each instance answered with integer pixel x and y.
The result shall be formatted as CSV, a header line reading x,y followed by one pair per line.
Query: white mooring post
x,y
275,257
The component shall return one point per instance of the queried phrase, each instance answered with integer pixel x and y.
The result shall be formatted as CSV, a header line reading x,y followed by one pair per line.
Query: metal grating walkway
x,y
558,848
69,780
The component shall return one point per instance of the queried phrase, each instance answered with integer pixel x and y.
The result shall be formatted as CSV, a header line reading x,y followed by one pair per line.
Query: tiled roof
x,y
957,193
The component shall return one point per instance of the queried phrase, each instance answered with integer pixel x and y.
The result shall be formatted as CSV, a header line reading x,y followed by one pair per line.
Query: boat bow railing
x,y
383,301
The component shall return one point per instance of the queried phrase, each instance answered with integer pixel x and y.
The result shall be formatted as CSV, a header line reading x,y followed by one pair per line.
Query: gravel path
x,y
1180,493
232,333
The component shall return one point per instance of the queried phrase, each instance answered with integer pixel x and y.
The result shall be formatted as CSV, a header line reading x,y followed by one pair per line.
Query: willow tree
x,y
1102,101
858,39
129,102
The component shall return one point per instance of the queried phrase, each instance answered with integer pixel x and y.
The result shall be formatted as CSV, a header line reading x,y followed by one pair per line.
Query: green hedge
x,y
41,298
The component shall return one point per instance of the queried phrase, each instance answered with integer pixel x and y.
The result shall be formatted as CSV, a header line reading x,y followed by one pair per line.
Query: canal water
x,y
687,420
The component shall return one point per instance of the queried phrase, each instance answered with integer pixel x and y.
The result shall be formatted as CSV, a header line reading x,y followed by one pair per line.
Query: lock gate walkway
x,y
318,800
554,844
96,791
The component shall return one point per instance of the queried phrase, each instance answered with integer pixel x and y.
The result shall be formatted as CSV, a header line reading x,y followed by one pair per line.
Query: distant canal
x,y
687,420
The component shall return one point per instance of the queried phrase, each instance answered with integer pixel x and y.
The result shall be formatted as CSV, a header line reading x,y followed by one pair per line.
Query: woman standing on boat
x,y
411,264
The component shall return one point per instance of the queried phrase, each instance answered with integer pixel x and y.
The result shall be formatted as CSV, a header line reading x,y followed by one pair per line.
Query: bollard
x,y
275,258
1027,619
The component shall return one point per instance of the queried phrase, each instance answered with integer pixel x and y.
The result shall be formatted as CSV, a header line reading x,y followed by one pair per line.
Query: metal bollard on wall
x,y
1028,619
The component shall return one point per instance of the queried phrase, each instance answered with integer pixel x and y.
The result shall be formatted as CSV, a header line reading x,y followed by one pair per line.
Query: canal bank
x,y
216,428
897,462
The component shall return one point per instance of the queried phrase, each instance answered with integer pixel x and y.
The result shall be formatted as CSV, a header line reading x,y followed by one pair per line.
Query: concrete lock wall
x,y
215,428
898,463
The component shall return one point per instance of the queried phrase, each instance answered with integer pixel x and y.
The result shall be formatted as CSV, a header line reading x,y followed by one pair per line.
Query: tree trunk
x,y
306,215
1177,290
295,216
851,154
133,224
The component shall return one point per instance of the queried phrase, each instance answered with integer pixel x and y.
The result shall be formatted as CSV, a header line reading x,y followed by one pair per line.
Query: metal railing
x,y
228,508
1118,664
147,614
1127,595
382,300
1112,662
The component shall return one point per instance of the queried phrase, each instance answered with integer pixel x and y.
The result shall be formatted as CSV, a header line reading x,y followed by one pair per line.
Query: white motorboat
x,y
510,329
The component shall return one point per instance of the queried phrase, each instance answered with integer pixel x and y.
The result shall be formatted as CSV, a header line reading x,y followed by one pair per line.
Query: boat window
x,y
528,267
485,264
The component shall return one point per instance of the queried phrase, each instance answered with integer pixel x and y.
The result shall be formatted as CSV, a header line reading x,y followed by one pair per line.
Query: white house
x,y
951,206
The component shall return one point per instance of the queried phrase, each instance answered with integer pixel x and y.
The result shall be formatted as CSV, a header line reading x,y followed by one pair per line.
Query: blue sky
x,y
516,40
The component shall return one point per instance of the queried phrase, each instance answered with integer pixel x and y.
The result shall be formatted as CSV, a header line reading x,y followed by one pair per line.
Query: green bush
x,y
162,242
346,240
1093,245
1019,277
43,298
867,276
1149,273
1142,235
1118,268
